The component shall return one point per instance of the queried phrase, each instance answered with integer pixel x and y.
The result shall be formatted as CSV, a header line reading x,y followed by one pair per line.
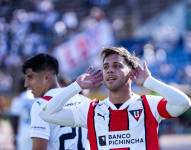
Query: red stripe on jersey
x,y
91,126
151,125
119,121
162,109
47,98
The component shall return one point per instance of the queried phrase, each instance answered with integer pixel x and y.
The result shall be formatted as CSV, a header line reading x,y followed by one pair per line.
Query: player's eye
x,y
105,67
29,76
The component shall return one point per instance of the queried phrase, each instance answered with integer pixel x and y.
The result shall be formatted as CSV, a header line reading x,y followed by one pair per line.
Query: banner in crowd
x,y
75,54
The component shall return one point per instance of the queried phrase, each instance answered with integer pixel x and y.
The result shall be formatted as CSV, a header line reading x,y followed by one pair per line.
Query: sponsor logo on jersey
x,y
119,139
102,140
136,113
72,104
38,127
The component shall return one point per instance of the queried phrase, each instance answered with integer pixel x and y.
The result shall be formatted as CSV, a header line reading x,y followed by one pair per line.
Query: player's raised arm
x,y
177,101
55,113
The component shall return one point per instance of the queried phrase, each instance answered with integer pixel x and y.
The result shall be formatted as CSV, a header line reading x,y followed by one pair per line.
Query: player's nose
x,y
110,70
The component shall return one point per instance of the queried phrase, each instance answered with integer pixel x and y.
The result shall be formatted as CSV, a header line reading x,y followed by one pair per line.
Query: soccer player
x,y
24,102
124,120
41,78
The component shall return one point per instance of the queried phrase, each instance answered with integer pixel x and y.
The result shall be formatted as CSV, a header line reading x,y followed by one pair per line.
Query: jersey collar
x,y
124,105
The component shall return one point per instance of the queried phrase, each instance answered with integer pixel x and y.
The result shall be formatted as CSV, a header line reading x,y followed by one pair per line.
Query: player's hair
x,y
130,59
41,62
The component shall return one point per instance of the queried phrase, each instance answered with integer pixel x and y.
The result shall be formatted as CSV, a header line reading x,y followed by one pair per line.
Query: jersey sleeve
x,y
73,113
158,107
39,128
80,110
175,103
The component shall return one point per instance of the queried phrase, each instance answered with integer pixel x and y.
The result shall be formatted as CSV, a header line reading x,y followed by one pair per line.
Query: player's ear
x,y
131,74
47,75
129,80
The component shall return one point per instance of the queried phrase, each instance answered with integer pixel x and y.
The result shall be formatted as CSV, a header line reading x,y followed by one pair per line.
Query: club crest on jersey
x,y
136,113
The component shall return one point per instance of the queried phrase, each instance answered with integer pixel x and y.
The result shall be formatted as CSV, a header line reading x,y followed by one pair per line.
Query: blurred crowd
x,y
41,28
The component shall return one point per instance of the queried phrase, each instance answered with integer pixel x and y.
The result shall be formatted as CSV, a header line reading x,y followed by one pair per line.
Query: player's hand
x,y
140,74
91,79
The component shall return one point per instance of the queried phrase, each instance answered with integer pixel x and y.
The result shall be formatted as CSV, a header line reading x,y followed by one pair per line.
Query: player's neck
x,y
120,96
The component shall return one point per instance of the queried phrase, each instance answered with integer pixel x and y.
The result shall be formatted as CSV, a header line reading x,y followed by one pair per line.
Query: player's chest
x,y
130,118
120,128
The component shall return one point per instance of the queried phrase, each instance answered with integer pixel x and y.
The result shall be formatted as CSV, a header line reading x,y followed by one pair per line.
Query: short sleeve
x,y
39,128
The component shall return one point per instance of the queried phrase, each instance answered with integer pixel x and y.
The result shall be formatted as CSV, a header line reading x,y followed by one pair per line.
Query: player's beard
x,y
38,92
35,94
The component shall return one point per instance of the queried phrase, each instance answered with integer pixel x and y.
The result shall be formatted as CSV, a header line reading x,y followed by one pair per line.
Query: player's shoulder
x,y
41,101
49,95
38,104
99,102
153,100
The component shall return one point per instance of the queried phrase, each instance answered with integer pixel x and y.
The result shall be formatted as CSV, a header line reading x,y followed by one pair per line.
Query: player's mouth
x,y
111,78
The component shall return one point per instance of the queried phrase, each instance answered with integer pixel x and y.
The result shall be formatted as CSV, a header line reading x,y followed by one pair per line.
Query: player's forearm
x,y
39,143
177,100
57,102
63,117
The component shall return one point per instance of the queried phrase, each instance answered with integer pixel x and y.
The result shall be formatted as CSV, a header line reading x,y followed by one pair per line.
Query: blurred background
x,y
74,31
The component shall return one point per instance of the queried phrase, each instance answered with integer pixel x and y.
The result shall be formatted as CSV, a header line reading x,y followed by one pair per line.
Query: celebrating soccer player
x,y
124,120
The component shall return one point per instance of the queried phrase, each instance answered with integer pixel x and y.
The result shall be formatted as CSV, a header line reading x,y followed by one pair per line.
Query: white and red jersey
x,y
134,126
59,137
